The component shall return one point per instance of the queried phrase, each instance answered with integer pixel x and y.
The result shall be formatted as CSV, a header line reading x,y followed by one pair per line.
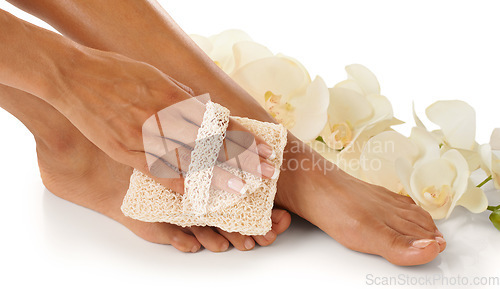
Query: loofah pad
x,y
147,200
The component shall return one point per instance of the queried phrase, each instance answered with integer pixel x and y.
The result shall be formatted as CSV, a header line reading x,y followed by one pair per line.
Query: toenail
x,y
440,240
439,233
422,243
195,249
224,247
270,236
249,244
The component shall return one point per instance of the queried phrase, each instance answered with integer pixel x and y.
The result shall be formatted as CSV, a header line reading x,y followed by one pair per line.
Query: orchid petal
x,y
457,120
223,43
384,149
364,77
418,122
348,106
248,51
275,74
474,200
204,43
495,139
311,111
427,144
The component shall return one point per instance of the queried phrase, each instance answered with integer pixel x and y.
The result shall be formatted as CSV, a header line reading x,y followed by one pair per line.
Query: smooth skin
x,y
360,216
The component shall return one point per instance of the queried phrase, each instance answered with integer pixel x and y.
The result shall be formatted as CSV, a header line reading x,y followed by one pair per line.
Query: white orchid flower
x,y
490,156
282,86
415,166
380,153
357,111
457,122
438,181
356,108
219,47
279,83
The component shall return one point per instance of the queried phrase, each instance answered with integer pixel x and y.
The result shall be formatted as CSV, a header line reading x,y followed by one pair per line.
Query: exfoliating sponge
x,y
249,214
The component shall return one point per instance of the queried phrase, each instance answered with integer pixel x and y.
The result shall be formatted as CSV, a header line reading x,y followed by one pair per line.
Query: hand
x,y
109,97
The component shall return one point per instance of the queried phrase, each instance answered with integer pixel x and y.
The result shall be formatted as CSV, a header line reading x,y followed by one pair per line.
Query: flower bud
x,y
495,218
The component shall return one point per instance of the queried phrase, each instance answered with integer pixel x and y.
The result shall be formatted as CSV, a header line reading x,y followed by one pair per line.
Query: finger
x,y
245,139
247,160
193,111
176,165
178,126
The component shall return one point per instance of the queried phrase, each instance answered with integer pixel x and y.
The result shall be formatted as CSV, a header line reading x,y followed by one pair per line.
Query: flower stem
x,y
491,208
485,181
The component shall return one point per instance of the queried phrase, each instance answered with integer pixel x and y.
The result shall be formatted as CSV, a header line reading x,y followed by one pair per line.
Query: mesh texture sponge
x,y
250,214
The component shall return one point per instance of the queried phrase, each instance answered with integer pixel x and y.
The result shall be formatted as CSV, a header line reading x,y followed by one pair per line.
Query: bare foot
x,y
74,169
361,216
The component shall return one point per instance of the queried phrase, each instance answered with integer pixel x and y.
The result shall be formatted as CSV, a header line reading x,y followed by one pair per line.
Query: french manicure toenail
x,y
266,151
440,240
422,243
237,185
249,244
268,171
270,236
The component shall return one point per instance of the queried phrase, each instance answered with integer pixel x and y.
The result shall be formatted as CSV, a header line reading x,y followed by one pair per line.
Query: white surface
x,y
419,50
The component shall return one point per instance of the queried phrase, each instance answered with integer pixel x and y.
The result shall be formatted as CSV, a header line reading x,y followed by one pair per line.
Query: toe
x,y
417,215
210,239
410,228
404,199
239,241
163,233
281,221
404,250
266,239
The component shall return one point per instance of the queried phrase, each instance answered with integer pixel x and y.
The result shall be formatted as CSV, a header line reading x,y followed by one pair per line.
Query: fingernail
x,y
268,171
422,243
195,249
249,244
237,185
266,151
270,236
439,233
440,240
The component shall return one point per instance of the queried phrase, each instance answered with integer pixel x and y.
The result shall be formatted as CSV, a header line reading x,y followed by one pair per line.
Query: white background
x,y
421,51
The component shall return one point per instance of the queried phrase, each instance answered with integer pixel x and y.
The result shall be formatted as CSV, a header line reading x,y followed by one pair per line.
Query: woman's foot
x,y
74,169
361,216
87,177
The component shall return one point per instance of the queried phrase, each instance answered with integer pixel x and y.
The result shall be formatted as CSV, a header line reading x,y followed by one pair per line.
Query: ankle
x,y
63,148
